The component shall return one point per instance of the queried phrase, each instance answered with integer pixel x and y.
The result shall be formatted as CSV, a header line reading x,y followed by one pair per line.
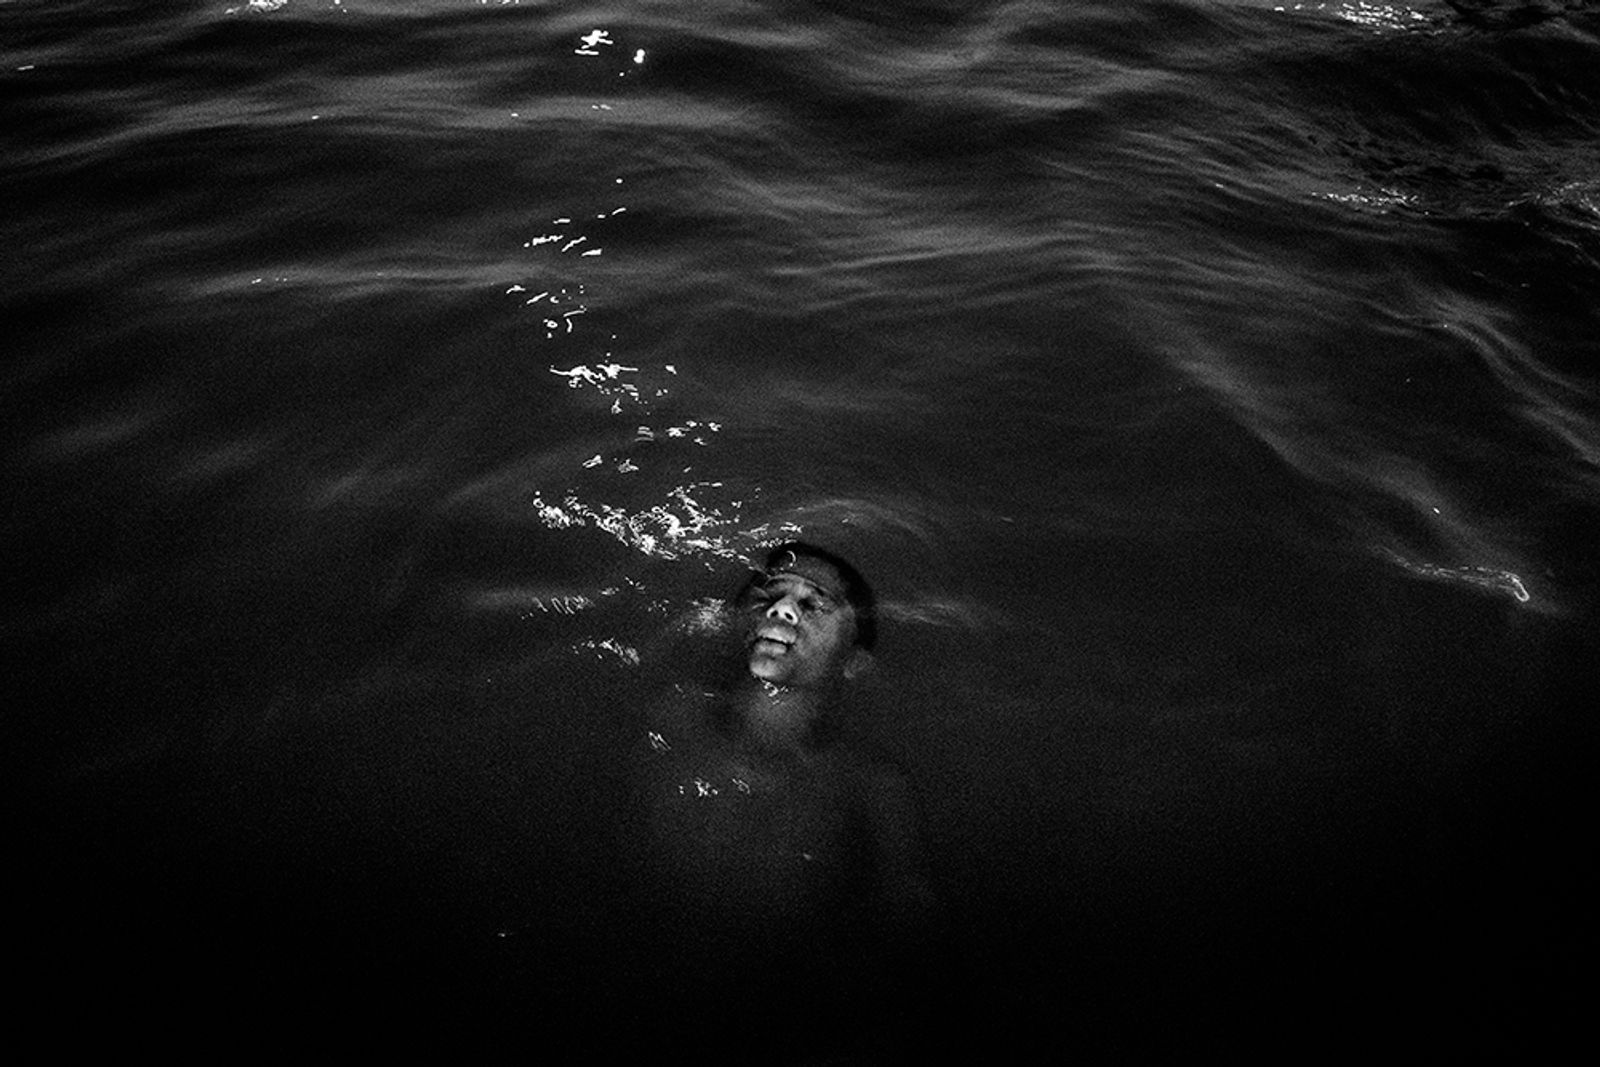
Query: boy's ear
x,y
859,664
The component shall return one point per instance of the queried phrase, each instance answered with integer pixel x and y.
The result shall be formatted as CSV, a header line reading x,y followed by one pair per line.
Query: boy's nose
x,y
785,609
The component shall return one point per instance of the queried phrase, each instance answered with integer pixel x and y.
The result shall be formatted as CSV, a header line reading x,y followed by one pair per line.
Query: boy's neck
x,y
778,719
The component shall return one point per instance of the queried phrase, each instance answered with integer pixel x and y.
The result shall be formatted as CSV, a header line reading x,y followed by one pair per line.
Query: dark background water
x,y
1208,387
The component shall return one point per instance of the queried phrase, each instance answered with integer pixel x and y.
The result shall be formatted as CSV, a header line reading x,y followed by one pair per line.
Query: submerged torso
x,y
757,883
761,852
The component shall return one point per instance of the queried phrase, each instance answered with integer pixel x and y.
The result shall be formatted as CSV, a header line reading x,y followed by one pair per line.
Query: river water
x,y
1209,389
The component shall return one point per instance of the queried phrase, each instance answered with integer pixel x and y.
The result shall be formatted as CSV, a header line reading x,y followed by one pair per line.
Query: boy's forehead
x,y
815,572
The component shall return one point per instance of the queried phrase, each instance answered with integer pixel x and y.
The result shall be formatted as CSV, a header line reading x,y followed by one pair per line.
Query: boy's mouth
x,y
771,640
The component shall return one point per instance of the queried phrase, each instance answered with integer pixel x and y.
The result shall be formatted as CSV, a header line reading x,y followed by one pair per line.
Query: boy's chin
x,y
766,669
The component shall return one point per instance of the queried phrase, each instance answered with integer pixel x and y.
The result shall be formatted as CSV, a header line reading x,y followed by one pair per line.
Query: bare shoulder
x,y
891,798
881,792
893,817
678,708
673,735
876,776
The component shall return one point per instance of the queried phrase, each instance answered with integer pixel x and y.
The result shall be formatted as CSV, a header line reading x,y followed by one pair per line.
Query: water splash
x,y
1377,17
683,527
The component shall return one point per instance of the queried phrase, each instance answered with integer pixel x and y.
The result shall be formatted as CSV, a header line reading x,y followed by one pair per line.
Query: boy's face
x,y
799,630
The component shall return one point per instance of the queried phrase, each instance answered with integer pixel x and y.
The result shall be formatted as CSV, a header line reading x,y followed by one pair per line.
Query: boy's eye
x,y
809,602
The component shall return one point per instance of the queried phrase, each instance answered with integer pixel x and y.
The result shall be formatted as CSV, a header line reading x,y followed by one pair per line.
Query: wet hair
x,y
855,589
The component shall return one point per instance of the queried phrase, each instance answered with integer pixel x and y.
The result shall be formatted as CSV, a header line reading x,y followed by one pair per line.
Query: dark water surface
x,y
1209,387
